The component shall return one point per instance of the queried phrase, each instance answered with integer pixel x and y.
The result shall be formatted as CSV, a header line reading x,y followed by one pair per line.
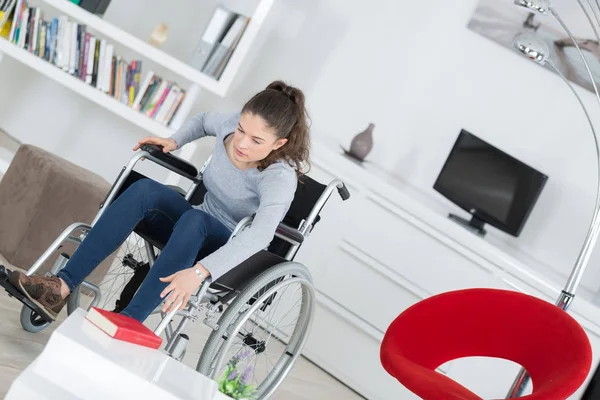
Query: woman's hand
x,y
167,144
183,284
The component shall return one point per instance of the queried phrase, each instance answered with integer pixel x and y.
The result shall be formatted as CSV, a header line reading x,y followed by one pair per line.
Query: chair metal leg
x,y
150,252
65,235
179,347
168,328
60,263
190,313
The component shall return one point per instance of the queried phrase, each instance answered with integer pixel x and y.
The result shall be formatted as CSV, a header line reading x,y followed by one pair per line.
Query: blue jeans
x,y
189,234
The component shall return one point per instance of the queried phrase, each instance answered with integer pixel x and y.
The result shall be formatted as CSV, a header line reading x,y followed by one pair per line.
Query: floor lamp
x,y
537,51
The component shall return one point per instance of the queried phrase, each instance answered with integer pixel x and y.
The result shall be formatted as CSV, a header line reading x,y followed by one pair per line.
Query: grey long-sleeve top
x,y
233,194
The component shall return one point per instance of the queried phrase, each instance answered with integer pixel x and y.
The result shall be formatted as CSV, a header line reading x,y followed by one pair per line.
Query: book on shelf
x,y
158,98
69,46
7,8
219,40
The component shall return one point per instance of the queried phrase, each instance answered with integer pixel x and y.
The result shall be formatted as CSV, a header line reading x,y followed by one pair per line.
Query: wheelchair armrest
x,y
289,234
182,166
283,231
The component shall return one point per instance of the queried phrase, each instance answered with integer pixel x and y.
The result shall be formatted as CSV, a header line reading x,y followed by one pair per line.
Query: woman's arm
x,y
205,124
276,192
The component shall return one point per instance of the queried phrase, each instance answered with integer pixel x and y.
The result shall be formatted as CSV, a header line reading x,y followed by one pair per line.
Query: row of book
x,y
219,40
6,7
67,45
158,98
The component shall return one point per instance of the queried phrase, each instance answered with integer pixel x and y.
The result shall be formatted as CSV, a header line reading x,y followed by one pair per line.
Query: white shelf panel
x,y
256,21
126,39
102,99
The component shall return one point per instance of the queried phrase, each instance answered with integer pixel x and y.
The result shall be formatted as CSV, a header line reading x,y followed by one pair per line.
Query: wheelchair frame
x,y
203,298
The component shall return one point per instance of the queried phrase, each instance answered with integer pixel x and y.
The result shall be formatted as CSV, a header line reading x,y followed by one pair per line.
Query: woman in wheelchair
x,y
259,153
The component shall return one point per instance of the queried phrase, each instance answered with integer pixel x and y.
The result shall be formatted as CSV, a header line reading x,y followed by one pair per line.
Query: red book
x,y
123,328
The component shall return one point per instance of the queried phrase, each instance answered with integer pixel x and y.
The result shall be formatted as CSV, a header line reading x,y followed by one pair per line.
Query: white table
x,y
82,362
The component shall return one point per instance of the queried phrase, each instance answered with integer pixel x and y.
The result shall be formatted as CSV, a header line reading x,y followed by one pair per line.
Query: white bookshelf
x,y
117,35
83,89
197,80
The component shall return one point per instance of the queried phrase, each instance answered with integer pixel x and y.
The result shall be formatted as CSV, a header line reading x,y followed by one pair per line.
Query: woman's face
x,y
253,140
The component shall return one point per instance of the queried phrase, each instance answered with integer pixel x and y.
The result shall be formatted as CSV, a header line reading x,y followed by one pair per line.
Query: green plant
x,y
234,384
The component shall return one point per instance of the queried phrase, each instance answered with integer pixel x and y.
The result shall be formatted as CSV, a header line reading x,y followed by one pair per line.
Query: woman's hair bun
x,y
288,90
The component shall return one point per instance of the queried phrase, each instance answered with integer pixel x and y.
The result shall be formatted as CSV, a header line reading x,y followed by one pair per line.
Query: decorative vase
x,y
362,144
159,35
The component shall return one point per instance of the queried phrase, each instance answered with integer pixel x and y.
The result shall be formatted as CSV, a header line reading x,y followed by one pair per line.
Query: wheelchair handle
x,y
343,191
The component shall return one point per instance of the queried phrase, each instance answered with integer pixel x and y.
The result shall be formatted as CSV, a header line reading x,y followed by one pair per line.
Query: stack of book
x,y
158,98
220,38
67,45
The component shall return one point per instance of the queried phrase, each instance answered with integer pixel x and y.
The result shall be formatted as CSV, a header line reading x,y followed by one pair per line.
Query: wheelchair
x,y
244,308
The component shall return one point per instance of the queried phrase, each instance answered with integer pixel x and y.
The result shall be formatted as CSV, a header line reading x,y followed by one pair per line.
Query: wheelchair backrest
x,y
307,194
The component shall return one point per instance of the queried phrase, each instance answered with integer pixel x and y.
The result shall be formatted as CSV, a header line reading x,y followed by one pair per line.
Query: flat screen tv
x,y
494,187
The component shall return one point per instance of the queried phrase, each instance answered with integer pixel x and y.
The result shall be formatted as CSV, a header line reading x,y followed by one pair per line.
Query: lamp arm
x,y
581,55
568,293
592,235
595,12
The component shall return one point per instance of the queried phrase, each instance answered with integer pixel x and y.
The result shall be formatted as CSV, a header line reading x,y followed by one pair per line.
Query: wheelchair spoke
x,y
128,258
277,326
269,319
260,328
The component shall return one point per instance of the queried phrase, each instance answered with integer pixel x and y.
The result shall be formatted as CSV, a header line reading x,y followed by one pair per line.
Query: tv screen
x,y
488,183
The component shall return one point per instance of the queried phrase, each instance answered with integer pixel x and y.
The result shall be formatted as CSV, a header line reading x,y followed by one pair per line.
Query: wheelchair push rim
x,y
260,337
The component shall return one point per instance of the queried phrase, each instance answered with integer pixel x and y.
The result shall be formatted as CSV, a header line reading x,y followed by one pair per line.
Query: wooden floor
x,y
18,348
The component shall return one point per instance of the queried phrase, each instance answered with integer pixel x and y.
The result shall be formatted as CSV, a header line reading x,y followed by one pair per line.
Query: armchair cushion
x,y
41,194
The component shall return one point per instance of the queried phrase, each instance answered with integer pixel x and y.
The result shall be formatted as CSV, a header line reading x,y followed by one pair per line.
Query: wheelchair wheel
x,y
264,329
130,263
130,260
32,322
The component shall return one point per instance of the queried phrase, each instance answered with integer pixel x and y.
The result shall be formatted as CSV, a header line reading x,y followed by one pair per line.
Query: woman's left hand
x,y
183,284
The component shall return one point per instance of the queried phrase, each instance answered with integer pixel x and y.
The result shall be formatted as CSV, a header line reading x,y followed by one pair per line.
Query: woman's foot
x,y
45,292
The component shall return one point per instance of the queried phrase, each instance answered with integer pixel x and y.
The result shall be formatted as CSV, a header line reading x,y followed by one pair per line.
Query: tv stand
x,y
475,225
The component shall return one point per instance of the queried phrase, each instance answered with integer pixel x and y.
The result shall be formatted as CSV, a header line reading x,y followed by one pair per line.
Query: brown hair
x,y
282,107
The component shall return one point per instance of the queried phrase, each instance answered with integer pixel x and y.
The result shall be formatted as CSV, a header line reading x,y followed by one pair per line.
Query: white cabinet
x,y
382,251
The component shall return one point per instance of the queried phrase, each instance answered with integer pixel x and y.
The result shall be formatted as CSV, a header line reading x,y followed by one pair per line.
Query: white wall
x,y
412,68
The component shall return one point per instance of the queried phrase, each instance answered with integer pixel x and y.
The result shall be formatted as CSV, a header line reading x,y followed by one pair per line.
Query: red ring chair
x,y
535,334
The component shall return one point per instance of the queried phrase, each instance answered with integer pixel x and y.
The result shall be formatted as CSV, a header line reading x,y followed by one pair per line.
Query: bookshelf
x,y
147,51
189,78
83,89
